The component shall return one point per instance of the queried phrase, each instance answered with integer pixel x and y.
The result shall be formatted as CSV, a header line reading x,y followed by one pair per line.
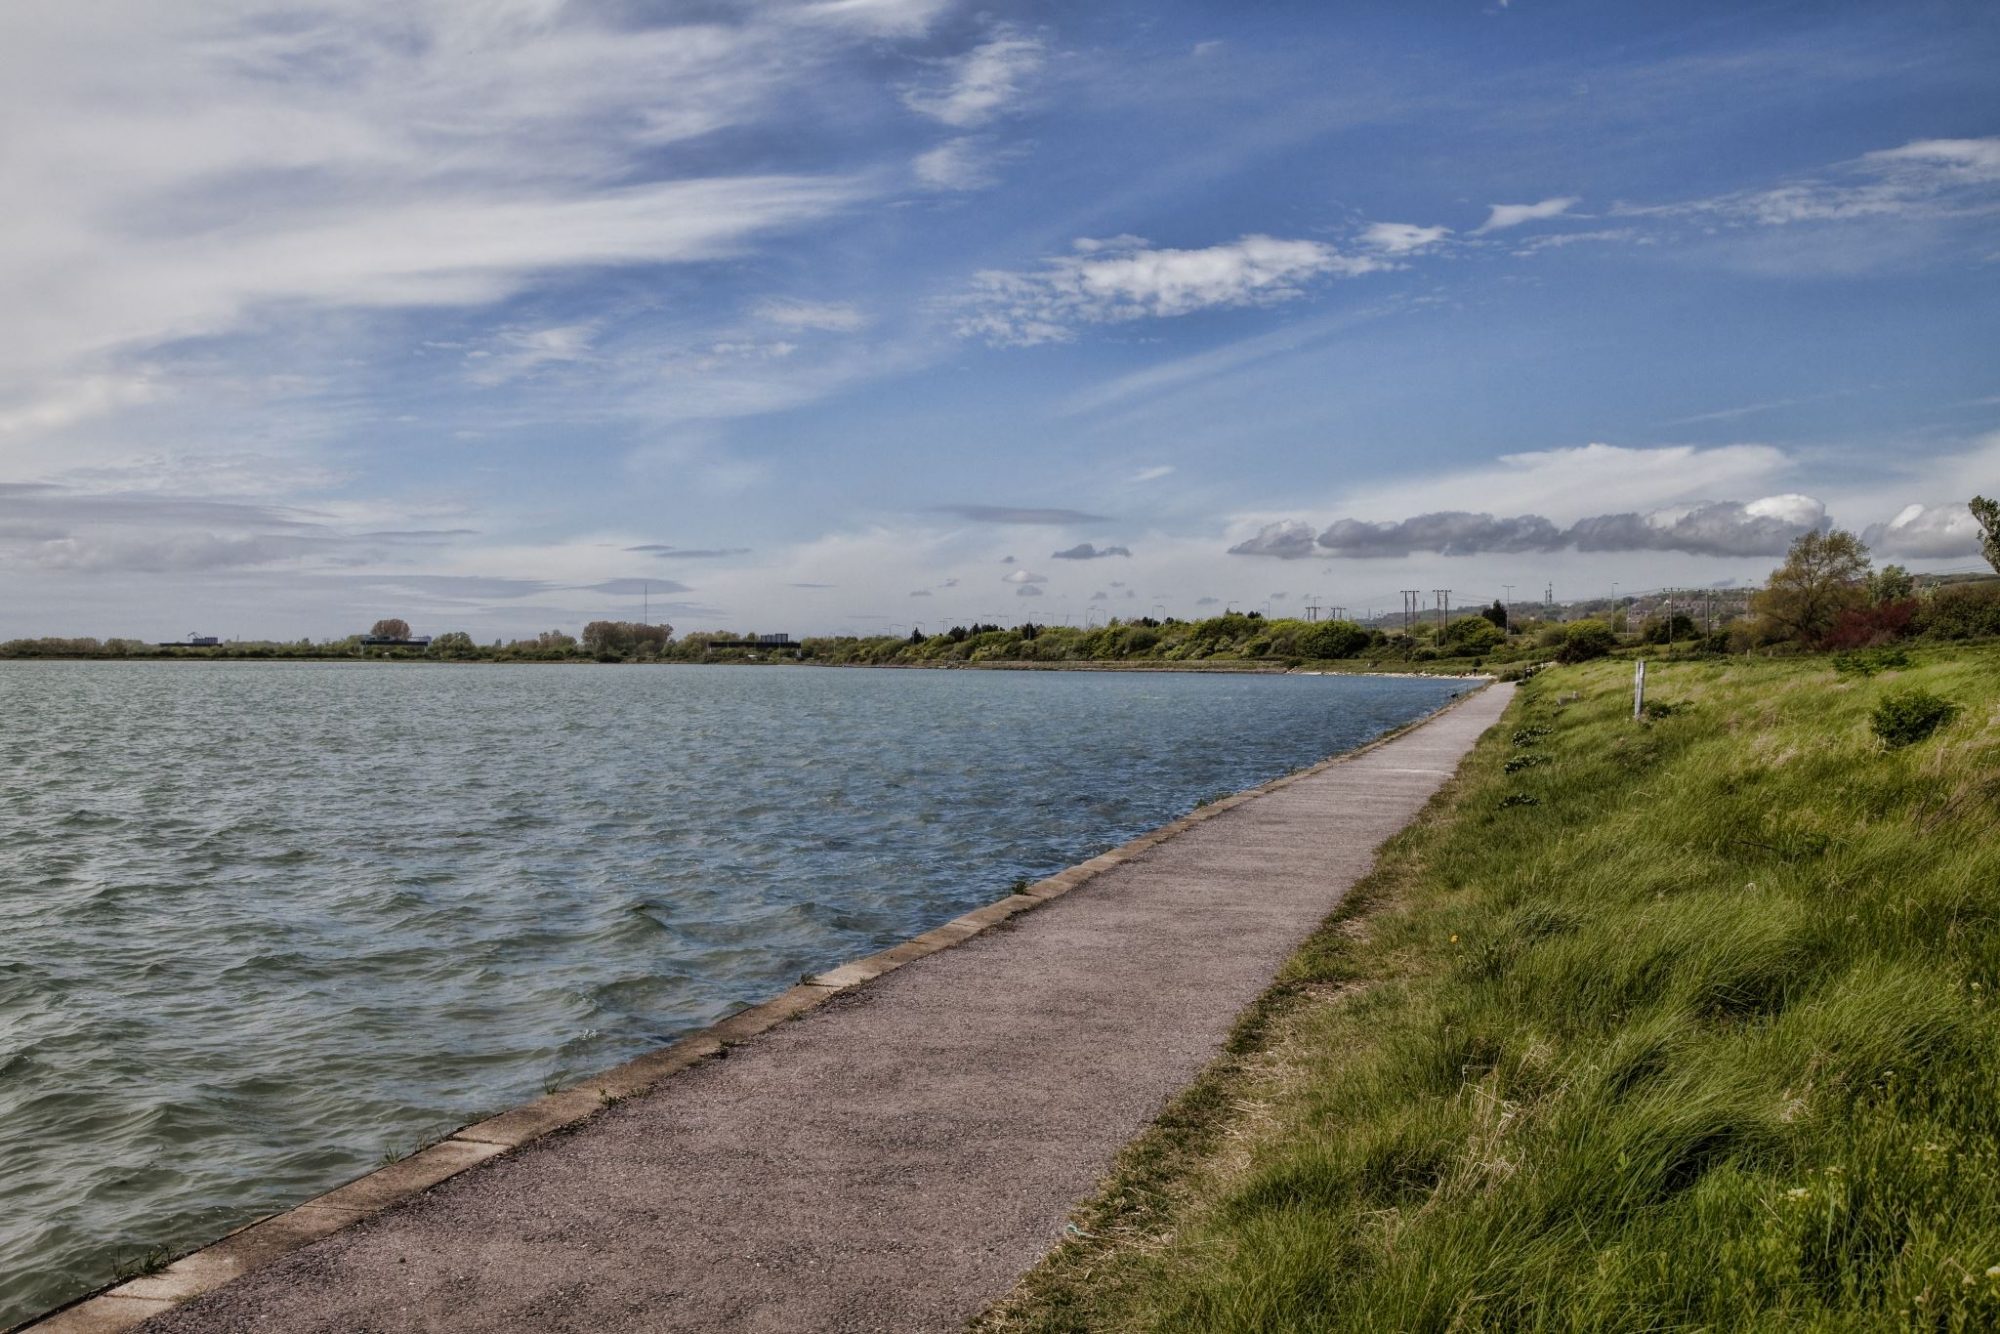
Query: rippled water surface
x,y
261,924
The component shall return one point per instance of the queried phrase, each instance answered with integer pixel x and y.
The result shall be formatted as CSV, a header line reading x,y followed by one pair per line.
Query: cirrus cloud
x,y
1127,278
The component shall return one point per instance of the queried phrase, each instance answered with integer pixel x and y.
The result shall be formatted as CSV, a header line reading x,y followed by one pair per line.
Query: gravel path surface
x,y
897,1157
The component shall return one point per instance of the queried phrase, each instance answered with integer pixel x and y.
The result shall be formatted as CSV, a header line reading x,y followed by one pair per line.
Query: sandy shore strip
x,y
888,1146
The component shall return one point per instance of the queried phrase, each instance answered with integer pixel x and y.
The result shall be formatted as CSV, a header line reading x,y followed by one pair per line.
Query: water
x,y
261,924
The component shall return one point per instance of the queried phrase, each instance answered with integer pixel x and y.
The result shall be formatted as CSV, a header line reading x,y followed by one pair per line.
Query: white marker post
x,y
1639,691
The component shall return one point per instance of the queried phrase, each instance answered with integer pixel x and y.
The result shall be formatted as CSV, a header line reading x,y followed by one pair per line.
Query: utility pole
x,y
1312,609
1443,596
1410,608
1338,612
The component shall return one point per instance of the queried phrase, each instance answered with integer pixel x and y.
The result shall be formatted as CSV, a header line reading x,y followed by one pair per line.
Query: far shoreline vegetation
x,y
1825,597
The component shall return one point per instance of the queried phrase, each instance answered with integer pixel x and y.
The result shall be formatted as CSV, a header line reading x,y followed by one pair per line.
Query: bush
x,y
1473,634
1908,716
1584,640
1877,623
1333,639
1867,662
1962,611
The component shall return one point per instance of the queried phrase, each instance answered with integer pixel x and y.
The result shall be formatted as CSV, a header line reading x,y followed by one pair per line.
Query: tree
x,y
614,638
1667,629
1987,512
453,644
1823,575
1891,583
392,627
1332,639
1584,640
1472,634
1497,613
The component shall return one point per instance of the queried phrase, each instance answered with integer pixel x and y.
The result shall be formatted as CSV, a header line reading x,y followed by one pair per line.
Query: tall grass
x,y
1699,1037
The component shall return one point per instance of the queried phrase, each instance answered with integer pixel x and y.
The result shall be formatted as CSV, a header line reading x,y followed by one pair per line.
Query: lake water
x,y
261,924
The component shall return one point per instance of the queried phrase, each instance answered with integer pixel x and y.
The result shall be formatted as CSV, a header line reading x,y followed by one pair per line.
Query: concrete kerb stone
x,y
129,1304
106,1313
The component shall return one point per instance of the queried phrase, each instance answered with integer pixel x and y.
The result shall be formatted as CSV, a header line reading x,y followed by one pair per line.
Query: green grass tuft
x,y
1703,1041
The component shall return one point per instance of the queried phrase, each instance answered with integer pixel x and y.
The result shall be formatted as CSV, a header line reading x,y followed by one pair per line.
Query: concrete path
x,y
896,1158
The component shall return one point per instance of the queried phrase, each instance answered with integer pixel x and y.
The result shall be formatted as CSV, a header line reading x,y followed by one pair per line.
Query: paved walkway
x,y
896,1158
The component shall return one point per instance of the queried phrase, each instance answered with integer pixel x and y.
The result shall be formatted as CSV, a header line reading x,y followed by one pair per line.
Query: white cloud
x,y
368,153
956,164
1289,539
1402,238
1975,158
1570,483
828,317
519,352
1024,577
1925,179
1926,532
888,18
982,83
1153,474
1125,278
1501,216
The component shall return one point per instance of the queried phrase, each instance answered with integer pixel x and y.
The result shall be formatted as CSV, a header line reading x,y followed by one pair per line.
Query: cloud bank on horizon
x,y
503,317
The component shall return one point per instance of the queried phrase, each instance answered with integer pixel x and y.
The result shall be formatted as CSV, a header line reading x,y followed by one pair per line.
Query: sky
x,y
819,316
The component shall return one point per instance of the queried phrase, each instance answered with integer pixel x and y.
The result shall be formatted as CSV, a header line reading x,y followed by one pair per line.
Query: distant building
x,y
384,641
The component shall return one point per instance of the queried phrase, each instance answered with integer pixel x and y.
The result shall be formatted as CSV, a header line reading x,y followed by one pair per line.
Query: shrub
x,y
1333,639
1584,640
1473,634
1876,623
1962,611
1867,662
1904,717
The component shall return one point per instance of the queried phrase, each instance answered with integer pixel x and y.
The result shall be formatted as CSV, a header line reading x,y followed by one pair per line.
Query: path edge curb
x,y
127,1303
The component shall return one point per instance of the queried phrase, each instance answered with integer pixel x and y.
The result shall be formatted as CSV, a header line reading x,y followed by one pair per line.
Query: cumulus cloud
x,y
1499,217
1290,540
1085,551
1451,533
1764,527
1027,591
1022,514
1720,528
1024,577
1926,532
1402,238
1126,278
982,83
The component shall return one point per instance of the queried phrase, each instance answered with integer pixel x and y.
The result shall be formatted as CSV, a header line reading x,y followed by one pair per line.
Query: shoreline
x,y
125,1303
1195,668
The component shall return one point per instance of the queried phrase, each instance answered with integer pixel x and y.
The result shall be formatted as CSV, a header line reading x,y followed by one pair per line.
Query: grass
x,y
1687,1026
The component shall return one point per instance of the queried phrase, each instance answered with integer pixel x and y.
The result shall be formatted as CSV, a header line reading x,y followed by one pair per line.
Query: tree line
x,y
1825,596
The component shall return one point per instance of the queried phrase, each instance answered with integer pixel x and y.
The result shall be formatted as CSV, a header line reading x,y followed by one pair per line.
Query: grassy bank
x,y
1681,1024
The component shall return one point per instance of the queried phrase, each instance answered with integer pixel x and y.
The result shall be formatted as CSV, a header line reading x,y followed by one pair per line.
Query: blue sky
x,y
857,314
